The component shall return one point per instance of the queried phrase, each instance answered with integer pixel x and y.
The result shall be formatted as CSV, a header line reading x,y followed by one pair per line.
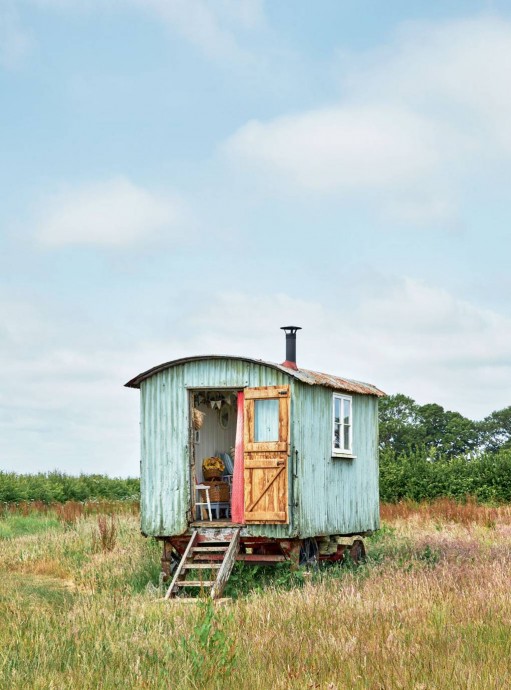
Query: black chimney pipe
x,y
290,346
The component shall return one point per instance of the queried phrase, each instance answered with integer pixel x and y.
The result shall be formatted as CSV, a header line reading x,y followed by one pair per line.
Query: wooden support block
x,y
294,555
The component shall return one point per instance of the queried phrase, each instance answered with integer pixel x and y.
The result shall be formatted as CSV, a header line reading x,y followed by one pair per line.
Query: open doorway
x,y
213,439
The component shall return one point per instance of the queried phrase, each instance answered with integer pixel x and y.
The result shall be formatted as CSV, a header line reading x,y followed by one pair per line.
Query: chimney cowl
x,y
290,361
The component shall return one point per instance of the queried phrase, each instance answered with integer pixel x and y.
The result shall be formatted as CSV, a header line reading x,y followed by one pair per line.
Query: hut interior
x,y
214,415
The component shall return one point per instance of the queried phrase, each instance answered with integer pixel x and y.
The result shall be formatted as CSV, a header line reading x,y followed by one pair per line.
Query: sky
x,y
183,177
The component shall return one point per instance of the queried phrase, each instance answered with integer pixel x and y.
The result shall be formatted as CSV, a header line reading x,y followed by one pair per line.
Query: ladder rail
x,y
227,566
179,568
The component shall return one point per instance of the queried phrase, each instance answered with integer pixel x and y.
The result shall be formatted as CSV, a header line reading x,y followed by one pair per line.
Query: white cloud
x,y
424,208
343,148
457,71
211,25
400,334
215,27
115,212
415,120
61,405
62,402
14,40
61,5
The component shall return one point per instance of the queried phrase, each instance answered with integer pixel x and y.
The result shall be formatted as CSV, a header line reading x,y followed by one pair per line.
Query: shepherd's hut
x,y
243,459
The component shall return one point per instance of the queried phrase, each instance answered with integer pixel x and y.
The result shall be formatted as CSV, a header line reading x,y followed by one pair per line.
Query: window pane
x,y
347,411
337,435
266,422
346,437
337,410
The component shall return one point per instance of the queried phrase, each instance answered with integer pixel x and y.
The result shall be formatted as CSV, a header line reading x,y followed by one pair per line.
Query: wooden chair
x,y
202,504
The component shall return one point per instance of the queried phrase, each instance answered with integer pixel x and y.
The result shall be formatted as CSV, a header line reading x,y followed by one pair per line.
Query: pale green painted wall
x,y
335,496
327,496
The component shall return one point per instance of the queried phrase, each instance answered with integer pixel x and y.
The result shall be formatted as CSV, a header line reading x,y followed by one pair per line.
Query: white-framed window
x,y
342,431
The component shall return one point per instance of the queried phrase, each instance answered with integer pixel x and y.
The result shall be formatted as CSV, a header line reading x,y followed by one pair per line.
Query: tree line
x,y
427,452
406,426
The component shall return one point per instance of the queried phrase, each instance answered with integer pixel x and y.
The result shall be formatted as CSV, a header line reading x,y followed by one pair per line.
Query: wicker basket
x,y
198,418
211,474
218,492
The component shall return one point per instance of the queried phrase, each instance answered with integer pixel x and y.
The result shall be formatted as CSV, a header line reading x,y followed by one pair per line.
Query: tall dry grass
x,y
106,536
448,510
70,511
430,610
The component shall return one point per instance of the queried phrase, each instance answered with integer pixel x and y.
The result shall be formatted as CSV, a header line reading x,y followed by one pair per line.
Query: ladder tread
x,y
194,600
208,549
195,583
191,565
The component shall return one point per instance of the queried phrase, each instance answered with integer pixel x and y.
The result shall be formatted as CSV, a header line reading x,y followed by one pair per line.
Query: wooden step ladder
x,y
216,557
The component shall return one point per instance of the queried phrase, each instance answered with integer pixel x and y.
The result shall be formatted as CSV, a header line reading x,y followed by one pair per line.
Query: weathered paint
x,y
335,495
165,490
327,496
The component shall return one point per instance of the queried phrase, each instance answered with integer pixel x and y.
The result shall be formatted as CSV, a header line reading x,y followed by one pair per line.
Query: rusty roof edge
x,y
313,378
341,383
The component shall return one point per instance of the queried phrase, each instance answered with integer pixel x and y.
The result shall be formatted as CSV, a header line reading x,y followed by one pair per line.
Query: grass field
x,y
80,608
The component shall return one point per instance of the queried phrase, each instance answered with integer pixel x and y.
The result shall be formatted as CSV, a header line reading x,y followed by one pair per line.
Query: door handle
x,y
280,463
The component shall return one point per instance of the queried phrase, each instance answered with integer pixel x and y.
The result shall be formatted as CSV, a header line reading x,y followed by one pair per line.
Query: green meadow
x,y
81,606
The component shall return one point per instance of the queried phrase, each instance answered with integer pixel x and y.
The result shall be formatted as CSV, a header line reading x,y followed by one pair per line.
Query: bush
x,y
51,487
416,476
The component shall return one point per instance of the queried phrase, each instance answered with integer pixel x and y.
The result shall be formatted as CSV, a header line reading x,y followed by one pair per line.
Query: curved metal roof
x,y
313,378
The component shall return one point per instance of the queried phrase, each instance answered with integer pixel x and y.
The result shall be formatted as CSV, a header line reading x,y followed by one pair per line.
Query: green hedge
x,y
60,487
413,475
417,477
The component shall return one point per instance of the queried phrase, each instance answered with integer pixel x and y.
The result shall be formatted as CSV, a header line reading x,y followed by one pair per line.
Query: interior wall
x,y
213,438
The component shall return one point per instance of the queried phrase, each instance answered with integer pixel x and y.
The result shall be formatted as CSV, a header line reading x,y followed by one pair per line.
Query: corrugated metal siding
x,y
335,496
164,455
165,493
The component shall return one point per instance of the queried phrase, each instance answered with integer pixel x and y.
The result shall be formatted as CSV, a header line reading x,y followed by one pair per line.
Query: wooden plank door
x,y
266,453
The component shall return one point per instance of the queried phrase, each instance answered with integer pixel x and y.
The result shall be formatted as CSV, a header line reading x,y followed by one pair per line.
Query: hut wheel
x,y
309,554
357,551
